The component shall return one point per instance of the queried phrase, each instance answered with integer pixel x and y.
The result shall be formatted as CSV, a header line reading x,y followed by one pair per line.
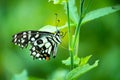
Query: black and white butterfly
x,y
43,43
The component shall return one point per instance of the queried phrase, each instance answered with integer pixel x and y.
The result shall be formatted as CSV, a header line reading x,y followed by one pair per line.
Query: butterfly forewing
x,y
42,43
21,39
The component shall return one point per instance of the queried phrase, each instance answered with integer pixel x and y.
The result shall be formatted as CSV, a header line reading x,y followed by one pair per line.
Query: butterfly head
x,y
60,33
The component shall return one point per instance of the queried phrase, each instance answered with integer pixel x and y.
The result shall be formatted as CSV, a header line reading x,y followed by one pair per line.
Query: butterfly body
x,y
43,44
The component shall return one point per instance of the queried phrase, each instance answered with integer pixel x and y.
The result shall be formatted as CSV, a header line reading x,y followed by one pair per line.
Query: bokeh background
x,y
100,37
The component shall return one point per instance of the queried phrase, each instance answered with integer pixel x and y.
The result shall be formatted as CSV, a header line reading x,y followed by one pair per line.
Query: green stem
x,y
81,7
70,37
77,31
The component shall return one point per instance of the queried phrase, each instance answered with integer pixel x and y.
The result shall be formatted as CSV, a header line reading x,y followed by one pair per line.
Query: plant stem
x,y
81,7
70,37
77,31
79,23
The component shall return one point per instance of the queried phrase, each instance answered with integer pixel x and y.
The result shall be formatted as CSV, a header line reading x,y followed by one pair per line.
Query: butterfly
x,y
43,43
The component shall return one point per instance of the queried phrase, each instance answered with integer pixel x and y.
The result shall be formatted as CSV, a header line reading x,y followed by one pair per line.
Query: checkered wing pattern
x,y
43,44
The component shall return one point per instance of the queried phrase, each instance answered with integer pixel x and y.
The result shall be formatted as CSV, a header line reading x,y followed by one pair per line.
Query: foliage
x,y
21,76
100,12
78,71
72,14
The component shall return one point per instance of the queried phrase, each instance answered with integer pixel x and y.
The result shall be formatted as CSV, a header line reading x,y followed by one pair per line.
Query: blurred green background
x,y
100,37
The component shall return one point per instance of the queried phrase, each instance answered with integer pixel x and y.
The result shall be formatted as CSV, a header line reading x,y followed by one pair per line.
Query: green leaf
x,y
51,28
100,12
73,11
58,74
58,1
68,61
48,28
83,61
78,71
65,26
21,76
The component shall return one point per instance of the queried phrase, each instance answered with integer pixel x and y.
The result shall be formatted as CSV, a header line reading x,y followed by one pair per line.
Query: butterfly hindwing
x,y
54,45
44,47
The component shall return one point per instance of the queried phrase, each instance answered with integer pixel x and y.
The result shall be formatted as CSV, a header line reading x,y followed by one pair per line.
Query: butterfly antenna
x,y
57,21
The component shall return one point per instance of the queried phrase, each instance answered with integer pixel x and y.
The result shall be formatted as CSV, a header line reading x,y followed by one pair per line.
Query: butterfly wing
x,y
23,38
54,51
53,44
43,43
20,39
45,46
41,48
40,53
